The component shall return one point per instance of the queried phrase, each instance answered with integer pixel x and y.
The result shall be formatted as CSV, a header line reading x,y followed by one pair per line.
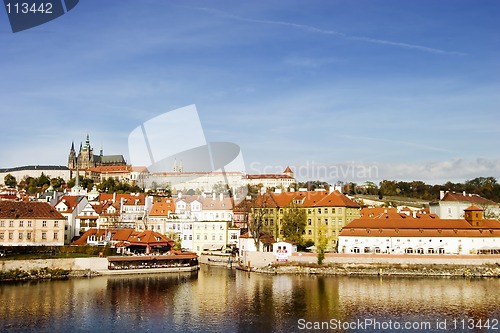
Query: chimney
x,y
465,194
221,196
114,196
214,195
441,195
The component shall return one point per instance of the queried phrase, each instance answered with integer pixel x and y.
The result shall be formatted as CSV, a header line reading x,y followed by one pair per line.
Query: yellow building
x,y
326,213
30,224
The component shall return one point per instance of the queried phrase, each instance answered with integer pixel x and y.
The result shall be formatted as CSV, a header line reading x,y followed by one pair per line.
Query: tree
x,y
56,183
322,244
294,223
10,180
262,206
42,180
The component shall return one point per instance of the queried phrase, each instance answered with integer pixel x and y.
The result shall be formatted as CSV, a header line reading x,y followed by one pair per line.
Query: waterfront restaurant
x,y
183,261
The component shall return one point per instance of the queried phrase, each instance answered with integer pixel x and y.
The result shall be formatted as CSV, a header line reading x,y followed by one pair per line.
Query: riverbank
x,y
438,270
374,265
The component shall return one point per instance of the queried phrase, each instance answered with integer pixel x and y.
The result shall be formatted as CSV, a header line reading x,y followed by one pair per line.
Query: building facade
x,y
326,214
30,224
402,234
451,205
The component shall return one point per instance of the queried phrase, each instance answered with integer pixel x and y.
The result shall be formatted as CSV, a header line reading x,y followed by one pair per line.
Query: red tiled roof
x,y
217,204
313,199
416,227
472,198
140,169
111,168
264,238
28,210
288,170
70,201
129,199
163,207
149,237
269,176
474,208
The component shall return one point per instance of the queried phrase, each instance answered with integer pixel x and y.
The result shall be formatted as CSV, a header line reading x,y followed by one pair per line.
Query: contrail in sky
x,y
332,32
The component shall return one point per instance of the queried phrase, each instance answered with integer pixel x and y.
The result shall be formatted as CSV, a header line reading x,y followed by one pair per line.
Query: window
x,y
2,223
44,235
21,224
28,235
29,224
220,237
326,210
11,235
11,224
2,235
20,235
309,222
309,232
185,237
430,250
190,237
205,237
319,210
56,224
213,237
56,235
44,223
197,236
326,221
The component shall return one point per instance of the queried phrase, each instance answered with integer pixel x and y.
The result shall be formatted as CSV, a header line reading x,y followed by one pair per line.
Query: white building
x,y
283,180
424,235
451,205
247,243
35,171
70,207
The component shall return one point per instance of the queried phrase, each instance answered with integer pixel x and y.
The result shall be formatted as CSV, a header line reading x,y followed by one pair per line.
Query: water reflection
x,y
222,300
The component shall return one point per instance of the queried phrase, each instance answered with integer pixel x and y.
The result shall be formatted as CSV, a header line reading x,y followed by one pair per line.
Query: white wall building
x,y
451,205
408,235
35,171
70,207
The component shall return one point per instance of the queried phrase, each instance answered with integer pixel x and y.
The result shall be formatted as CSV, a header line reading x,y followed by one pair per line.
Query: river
x,y
221,300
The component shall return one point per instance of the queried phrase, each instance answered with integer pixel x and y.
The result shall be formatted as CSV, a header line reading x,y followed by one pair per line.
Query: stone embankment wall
x,y
346,264
217,259
51,268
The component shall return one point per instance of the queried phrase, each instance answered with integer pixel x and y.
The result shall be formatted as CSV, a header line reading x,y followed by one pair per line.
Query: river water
x,y
222,300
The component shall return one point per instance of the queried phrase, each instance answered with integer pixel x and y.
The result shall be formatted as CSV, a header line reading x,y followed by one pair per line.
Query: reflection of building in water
x,y
413,296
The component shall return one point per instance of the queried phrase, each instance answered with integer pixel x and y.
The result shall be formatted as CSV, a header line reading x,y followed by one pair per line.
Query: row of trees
x,y
40,184
487,187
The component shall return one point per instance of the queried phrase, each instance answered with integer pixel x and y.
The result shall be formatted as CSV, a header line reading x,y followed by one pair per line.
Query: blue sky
x,y
339,90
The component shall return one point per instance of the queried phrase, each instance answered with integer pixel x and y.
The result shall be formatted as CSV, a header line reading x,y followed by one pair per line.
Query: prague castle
x,y
86,158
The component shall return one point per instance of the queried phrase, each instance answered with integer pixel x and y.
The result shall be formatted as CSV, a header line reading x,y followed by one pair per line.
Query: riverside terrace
x,y
187,260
